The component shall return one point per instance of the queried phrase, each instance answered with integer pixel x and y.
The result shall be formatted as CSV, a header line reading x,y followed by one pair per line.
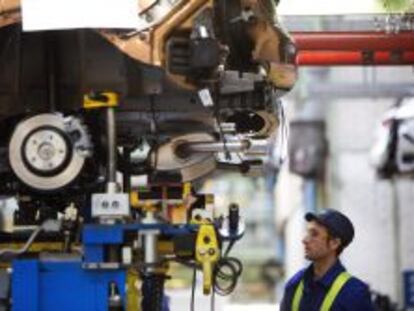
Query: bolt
x,y
105,204
211,251
115,204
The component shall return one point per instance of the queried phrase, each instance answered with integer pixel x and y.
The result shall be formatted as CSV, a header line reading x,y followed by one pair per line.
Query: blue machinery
x,y
98,282
76,284
90,283
48,285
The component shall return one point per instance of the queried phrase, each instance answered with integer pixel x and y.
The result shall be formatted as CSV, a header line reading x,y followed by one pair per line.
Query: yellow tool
x,y
144,205
186,189
207,253
100,100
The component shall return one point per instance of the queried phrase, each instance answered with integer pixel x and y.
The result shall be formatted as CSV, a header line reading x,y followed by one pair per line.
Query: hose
x,y
47,226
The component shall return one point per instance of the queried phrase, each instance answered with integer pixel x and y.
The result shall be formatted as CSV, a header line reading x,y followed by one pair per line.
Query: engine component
x,y
234,33
47,151
79,136
253,123
190,165
255,38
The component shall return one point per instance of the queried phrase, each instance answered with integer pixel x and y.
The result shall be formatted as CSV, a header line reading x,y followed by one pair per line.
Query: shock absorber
x,y
152,292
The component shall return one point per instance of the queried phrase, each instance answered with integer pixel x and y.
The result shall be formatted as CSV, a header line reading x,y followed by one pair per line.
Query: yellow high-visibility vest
x,y
330,297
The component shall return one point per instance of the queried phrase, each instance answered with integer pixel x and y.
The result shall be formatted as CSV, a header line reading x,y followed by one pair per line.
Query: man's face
x,y
317,242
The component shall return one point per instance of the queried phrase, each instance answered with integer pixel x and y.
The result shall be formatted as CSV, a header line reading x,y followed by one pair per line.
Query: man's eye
x,y
313,233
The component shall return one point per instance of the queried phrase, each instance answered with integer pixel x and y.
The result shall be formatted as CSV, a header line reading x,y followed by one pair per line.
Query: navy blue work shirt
x,y
354,296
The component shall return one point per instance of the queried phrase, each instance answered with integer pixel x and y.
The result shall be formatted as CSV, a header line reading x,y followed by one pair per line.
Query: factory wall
x,y
355,190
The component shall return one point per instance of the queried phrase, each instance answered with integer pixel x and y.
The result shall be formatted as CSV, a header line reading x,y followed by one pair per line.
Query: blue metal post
x,y
25,285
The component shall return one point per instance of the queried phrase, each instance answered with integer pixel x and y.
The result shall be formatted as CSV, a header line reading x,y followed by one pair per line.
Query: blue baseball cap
x,y
337,223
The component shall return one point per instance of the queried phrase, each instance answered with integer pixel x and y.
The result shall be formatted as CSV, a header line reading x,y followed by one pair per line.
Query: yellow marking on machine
x,y
100,100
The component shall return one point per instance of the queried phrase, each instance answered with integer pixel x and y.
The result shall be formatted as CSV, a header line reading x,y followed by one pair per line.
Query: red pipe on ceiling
x,y
354,48
350,58
367,40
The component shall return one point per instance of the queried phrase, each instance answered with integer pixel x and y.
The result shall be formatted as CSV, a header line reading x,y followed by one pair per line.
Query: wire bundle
x,y
226,275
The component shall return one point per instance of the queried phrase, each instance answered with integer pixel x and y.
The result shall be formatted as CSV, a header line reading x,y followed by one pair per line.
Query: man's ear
x,y
334,243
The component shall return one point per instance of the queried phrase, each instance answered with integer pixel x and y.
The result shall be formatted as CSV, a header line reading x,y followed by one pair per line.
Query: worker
x,y
325,284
